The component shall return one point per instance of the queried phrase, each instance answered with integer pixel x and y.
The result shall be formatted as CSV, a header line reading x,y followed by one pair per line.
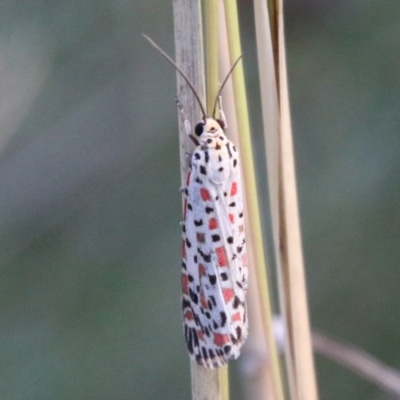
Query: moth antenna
x,y
223,84
180,71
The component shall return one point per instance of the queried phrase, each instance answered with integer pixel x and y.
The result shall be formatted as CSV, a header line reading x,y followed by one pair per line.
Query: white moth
x,y
214,259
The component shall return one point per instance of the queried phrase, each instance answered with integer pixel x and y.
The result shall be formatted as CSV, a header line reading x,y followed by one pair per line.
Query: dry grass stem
x,y
360,362
255,232
189,57
290,241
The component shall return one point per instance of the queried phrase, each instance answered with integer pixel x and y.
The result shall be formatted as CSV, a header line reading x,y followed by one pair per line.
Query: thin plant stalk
x,y
290,240
211,19
270,116
360,362
254,364
251,192
189,57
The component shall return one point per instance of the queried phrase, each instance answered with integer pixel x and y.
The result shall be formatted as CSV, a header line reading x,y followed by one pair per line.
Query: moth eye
x,y
221,123
199,128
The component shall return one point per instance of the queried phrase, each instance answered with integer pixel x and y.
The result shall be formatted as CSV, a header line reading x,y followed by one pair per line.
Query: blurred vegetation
x,y
90,208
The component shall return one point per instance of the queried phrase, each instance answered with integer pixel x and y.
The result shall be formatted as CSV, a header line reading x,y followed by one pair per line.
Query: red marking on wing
x,y
200,237
205,194
185,284
189,315
222,257
228,295
183,249
220,339
236,317
203,301
231,218
202,270
244,260
233,188
200,335
212,224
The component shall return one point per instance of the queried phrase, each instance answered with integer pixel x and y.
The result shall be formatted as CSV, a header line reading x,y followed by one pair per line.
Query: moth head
x,y
209,127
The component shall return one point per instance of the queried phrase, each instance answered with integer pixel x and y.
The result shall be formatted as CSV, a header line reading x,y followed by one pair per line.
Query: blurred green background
x,y
90,208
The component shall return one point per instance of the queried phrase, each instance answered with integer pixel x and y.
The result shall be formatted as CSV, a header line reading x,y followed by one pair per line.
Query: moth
x,y
214,260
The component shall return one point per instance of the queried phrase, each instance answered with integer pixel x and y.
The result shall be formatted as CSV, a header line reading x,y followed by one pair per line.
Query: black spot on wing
x,y
203,170
239,332
215,238
236,302
189,340
229,150
185,304
224,276
223,318
198,222
206,257
204,353
193,296
212,298
213,279
195,338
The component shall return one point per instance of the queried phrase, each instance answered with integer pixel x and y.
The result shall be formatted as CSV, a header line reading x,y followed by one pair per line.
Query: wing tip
x,y
217,357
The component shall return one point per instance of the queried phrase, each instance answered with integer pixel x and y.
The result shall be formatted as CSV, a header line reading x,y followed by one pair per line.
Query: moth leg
x,y
181,111
188,158
186,122
221,113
